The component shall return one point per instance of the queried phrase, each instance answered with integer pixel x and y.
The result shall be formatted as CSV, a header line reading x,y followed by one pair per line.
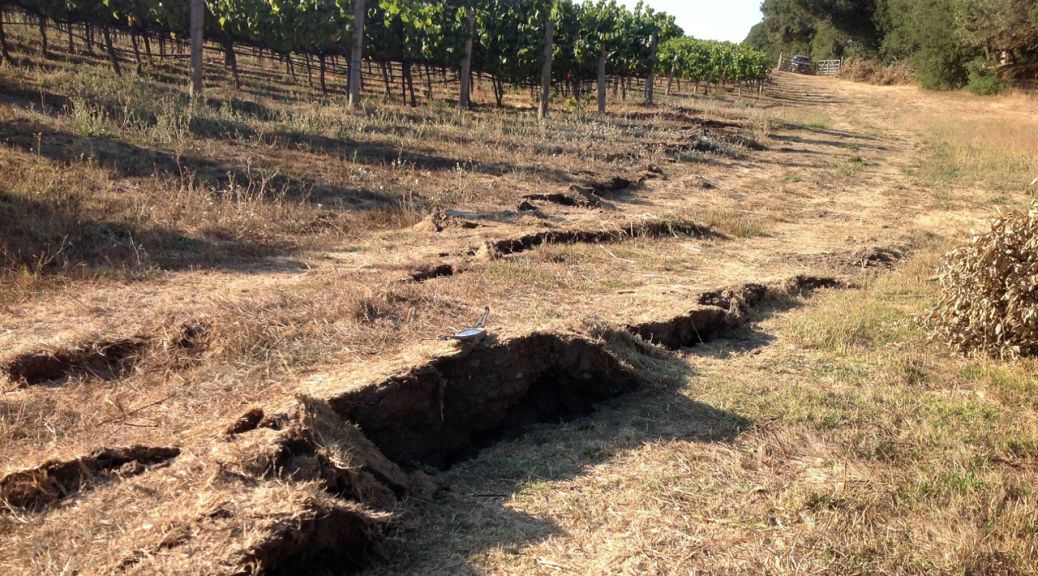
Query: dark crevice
x,y
365,446
690,329
451,408
656,229
574,199
106,359
246,422
44,486
723,309
617,184
328,538
429,272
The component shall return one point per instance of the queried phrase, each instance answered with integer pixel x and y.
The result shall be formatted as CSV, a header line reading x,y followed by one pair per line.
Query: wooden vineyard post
x,y
466,62
197,26
356,52
107,34
650,80
5,56
549,37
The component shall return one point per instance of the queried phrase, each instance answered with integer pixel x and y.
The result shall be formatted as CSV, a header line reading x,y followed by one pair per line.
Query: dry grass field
x,y
219,322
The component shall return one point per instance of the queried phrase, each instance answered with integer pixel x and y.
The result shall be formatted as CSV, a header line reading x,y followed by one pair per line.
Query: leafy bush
x,y
989,291
983,80
939,69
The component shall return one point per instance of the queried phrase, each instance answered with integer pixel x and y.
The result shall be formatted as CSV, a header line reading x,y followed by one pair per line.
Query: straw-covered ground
x,y
218,331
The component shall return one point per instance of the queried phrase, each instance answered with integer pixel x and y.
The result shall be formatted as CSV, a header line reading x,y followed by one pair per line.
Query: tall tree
x,y
995,26
924,31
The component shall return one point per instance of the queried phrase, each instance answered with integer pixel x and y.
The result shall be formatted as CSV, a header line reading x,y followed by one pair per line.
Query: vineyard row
x,y
527,43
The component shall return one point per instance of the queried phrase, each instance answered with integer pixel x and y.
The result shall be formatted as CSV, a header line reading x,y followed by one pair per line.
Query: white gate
x,y
830,67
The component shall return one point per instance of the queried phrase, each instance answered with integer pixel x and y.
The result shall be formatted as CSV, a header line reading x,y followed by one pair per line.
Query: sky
x,y
711,19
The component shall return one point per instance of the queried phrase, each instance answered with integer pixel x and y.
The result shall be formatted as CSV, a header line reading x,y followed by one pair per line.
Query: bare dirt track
x,y
295,413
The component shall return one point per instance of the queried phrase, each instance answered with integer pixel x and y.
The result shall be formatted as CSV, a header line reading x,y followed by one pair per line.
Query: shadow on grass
x,y
130,160
33,97
476,516
54,238
375,154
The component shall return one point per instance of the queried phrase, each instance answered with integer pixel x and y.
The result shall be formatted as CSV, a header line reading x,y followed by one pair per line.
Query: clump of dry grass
x,y
734,222
989,288
876,72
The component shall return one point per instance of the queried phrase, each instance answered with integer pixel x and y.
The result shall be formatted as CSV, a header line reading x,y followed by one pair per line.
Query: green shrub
x,y
938,69
983,80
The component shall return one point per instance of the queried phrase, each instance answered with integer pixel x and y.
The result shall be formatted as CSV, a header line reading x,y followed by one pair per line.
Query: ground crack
x,y
43,487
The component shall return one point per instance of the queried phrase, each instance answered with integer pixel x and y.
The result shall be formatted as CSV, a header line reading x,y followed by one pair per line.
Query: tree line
x,y
948,42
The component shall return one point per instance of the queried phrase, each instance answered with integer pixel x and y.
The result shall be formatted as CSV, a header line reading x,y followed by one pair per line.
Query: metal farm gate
x,y
823,68
830,67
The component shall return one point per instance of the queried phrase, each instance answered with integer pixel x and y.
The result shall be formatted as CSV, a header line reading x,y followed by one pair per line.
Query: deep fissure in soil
x,y
655,229
45,485
451,408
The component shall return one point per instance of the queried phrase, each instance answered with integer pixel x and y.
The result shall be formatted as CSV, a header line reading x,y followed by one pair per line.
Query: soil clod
x,y
878,257
441,220
246,422
193,335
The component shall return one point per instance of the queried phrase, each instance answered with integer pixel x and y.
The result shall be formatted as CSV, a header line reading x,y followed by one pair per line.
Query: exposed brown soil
x,y
653,229
622,183
451,407
724,309
291,535
713,123
575,199
192,336
711,143
105,359
246,422
878,256
592,193
432,271
46,485
881,257
356,442
441,220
